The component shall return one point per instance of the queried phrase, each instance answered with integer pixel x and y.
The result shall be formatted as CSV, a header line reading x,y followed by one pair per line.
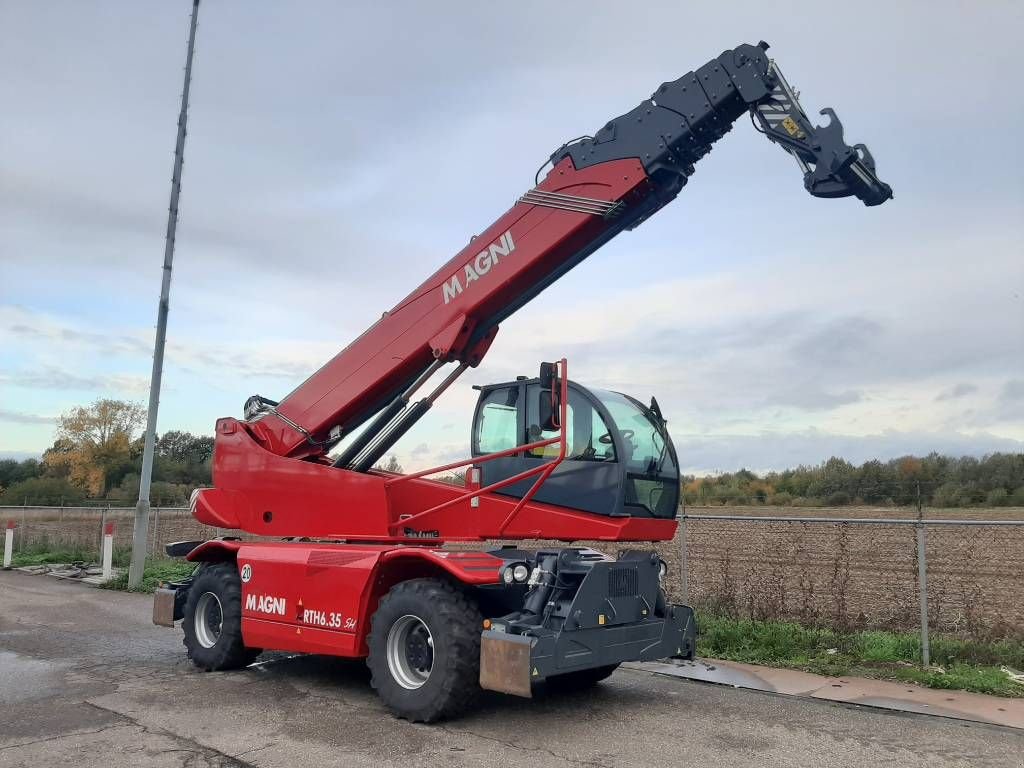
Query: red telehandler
x,y
358,568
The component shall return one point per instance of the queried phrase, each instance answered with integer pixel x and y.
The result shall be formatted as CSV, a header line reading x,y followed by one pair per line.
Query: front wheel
x,y
213,620
425,650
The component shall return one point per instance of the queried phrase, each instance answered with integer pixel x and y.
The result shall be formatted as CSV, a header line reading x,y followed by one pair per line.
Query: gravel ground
x,y
85,677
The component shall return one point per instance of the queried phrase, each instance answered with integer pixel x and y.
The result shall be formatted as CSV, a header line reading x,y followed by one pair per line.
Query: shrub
x,y
49,491
808,501
997,497
946,495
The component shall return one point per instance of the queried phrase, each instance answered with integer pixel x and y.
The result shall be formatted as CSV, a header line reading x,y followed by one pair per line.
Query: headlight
x,y
662,570
515,573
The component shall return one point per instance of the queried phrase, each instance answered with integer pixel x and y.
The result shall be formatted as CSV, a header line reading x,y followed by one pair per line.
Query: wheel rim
x,y
410,651
208,620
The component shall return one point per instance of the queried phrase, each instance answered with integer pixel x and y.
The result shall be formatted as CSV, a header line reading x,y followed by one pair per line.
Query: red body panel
x,y
317,598
270,495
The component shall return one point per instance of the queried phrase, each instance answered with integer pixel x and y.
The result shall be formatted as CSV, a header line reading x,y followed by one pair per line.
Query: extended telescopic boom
x,y
597,187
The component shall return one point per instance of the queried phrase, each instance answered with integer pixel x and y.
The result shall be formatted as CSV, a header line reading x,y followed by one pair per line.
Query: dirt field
x,y
838,574
851,575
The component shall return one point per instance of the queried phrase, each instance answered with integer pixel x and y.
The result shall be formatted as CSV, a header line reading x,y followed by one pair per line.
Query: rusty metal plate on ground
x,y
505,663
163,607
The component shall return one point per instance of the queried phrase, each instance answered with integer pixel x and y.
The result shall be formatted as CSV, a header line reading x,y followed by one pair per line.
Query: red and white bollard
x,y
108,551
9,544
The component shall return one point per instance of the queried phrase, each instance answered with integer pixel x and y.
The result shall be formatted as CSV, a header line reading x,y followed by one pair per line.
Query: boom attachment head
x,y
831,167
669,132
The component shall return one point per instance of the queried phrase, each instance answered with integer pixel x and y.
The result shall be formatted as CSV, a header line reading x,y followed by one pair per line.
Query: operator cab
x,y
619,458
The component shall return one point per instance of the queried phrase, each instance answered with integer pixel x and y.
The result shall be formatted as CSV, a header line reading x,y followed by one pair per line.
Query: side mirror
x,y
549,398
548,411
548,372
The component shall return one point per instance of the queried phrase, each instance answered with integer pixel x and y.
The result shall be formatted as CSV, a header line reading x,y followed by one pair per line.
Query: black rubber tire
x,y
229,652
455,623
579,681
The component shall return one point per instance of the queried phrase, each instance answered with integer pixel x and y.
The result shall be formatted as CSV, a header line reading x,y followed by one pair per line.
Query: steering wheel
x,y
606,438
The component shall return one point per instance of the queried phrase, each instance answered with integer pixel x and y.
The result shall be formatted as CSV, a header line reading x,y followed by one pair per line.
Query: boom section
x,y
453,315
597,187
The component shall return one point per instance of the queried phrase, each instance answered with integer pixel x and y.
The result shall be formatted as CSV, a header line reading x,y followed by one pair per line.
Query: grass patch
x,y
156,571
966,664
44,556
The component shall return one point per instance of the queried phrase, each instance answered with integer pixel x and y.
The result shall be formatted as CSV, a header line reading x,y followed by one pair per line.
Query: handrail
x,y
543,470
478,460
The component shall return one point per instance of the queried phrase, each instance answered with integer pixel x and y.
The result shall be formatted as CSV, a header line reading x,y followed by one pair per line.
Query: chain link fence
x,y
79,529
949,573
877,569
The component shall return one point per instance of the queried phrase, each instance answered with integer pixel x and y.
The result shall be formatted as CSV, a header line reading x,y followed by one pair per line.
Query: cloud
x,y
17,417
35,329
960,390
52,377
1010,404
1013,391
747,307
813,398
842,342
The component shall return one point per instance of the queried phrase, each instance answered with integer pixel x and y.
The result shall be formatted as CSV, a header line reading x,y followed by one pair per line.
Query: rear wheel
x,y
425,650
213,620
579,680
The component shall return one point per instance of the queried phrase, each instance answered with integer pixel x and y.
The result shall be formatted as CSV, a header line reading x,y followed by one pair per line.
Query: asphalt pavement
x,y
86,679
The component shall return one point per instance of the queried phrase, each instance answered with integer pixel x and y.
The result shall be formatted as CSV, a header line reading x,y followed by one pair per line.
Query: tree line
x,y
97,456
996,480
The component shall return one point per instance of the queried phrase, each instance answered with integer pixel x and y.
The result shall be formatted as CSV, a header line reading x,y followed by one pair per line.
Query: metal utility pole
x,y
142,508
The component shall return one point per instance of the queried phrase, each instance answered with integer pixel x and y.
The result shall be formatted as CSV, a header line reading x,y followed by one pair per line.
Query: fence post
x,y
8,544
24,528
922,577
684,565
107,554
103,525
156,530
922,580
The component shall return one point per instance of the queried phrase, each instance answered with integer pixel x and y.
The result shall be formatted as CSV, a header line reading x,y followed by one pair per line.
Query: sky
x,y
338,153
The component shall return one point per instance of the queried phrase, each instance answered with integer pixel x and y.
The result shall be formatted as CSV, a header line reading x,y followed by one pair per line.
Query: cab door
x,y
590,477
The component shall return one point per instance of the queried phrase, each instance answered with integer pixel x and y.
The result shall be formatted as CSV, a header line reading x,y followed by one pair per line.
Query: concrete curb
x,y
882,694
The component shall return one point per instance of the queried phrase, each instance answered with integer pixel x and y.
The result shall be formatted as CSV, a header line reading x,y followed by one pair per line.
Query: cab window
x,y
583,436
497,427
